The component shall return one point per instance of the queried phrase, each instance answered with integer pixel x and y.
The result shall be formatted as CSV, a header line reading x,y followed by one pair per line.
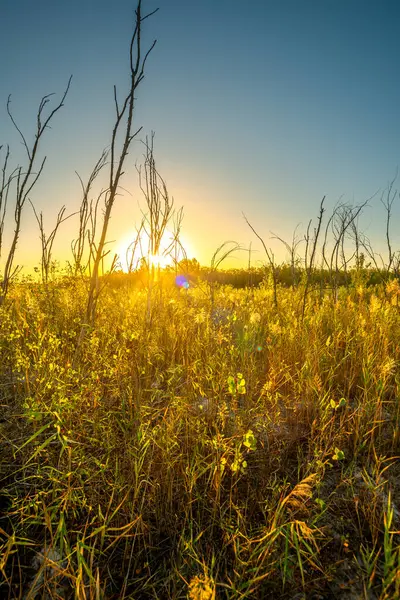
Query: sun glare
x,y
161,260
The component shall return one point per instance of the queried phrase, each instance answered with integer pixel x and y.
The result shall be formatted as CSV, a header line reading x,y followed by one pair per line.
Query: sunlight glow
x,y
163,259
159,261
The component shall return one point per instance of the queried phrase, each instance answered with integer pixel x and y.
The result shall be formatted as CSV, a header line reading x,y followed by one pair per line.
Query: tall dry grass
x,y
226,451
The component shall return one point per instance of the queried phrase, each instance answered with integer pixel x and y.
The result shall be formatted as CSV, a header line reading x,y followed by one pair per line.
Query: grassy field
x,y
180,449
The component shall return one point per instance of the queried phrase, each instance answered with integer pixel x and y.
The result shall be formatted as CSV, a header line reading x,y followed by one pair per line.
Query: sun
x,y
131,253
159,261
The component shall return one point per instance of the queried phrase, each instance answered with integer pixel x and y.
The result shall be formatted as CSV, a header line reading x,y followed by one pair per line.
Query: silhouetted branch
x,y
27,180
123,125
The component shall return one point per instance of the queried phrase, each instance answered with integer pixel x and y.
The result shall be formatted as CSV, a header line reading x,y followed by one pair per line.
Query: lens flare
x,y
182,282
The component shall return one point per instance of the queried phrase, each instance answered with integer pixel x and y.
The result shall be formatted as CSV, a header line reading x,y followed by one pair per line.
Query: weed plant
x,y
233,451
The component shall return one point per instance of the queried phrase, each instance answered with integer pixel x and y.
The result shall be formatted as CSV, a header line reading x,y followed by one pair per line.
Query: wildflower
x,y
255,318
388,367
204,404
201,588
393,287
200,317
220,316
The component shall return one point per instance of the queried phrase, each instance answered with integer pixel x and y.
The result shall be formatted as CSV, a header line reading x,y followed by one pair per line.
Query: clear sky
x,y
260,106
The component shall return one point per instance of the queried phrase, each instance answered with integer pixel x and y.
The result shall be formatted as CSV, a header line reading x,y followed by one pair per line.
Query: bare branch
x,y
271,260
124,119
27,180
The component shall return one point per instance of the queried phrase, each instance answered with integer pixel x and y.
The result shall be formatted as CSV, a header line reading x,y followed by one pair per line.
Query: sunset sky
x,y
262,106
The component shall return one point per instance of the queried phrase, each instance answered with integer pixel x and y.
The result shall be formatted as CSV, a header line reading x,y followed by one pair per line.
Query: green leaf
x,y
250,440
33,437
339,454
42,446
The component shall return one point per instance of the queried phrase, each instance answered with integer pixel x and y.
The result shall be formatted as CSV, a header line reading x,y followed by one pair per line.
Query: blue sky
x,y
259,106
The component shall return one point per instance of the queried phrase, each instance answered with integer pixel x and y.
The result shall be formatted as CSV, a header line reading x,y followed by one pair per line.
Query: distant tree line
x,y
362,274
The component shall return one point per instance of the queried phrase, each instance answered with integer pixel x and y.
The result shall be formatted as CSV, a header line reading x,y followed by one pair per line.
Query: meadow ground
x,y
182,450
